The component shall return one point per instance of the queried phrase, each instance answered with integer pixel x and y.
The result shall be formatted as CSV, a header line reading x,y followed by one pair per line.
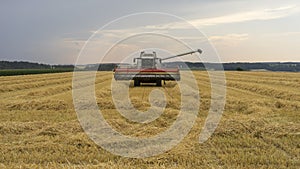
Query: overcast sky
x,y
54,31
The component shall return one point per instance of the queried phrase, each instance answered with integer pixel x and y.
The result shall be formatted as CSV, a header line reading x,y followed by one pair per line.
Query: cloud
x,y
280,34
228,39
181,30
258,15
255,15
236,37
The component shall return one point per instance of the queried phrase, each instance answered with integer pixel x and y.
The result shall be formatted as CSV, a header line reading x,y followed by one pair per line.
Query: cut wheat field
x,y
260,127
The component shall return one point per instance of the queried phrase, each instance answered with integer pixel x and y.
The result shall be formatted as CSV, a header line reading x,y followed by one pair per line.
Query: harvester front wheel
x,y
137,83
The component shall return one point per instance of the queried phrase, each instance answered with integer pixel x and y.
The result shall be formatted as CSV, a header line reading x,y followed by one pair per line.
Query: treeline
x,y
265,66
30,65
268,66
24,68
14,72
261,66
99,67
22,65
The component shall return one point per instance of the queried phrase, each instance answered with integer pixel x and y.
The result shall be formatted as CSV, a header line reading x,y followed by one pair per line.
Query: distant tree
x,y
239,69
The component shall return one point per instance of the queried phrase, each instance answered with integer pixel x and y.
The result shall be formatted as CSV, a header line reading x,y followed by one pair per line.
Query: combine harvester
x,y
148,69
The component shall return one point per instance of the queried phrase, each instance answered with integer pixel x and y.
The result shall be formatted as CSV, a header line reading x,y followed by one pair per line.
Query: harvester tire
x,y
158,82
137,83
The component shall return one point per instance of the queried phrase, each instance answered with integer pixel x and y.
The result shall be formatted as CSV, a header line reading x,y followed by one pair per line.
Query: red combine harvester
x,y
148,69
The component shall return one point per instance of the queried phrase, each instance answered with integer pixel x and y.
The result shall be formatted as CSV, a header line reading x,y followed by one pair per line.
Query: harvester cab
x,y
147,61
148,69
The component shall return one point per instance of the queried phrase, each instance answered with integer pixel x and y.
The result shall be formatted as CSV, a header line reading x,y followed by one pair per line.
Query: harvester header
x,y
148,69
